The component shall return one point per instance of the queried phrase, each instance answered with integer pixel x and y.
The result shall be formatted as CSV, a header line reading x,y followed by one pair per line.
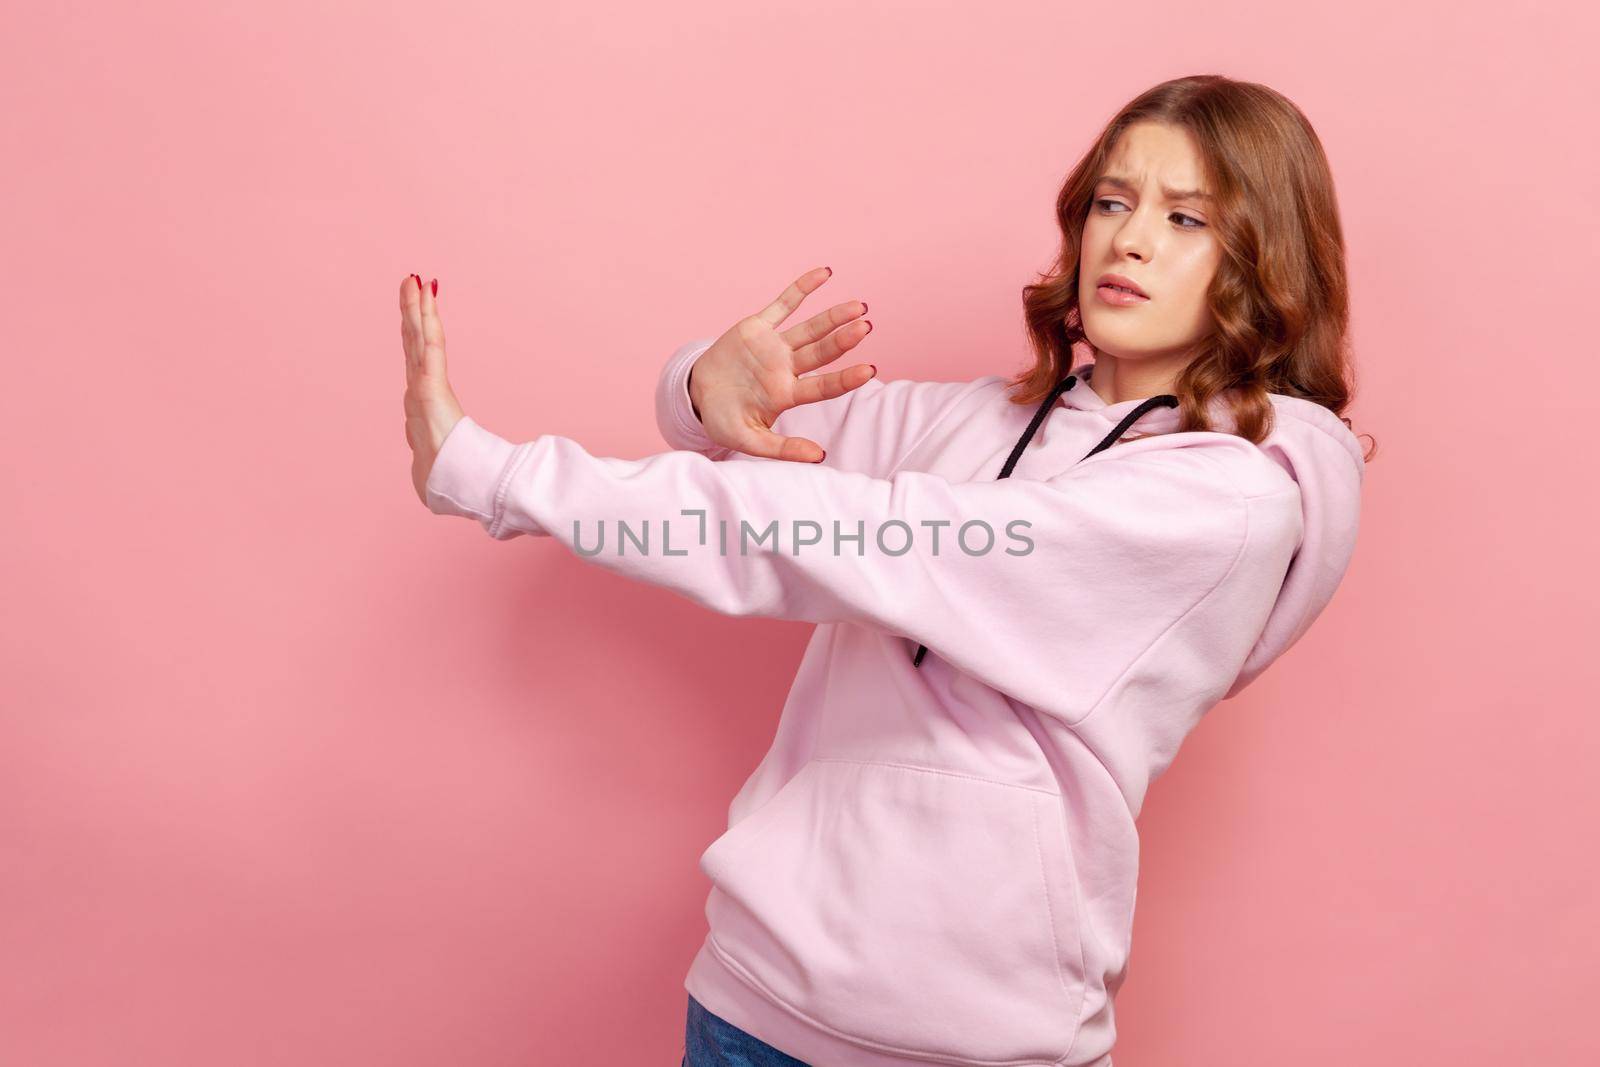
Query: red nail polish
x,y
863,307
869,324
419,282
829,270
436,287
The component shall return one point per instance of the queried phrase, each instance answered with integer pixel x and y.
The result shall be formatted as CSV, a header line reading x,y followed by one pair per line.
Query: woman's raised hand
x,y
430,403
751,374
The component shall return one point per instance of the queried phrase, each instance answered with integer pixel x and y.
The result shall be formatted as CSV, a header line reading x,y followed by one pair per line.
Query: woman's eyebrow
x,y
1166,191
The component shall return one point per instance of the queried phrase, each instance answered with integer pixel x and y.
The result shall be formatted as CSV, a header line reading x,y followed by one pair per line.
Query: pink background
x,y
293,771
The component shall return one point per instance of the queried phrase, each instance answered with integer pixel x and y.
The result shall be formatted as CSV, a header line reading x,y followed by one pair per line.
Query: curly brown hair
x,y
1280,297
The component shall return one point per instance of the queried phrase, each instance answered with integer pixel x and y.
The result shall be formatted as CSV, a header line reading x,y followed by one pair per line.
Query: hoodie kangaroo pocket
x,y
912,911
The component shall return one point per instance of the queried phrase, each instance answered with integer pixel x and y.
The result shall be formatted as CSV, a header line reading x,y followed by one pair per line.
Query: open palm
x,y
751,375
430,404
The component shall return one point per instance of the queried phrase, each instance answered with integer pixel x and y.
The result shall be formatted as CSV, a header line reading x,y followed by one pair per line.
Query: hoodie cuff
x,y
470,473
674,412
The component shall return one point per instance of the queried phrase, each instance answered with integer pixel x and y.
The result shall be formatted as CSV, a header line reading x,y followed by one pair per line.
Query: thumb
x,y
770,445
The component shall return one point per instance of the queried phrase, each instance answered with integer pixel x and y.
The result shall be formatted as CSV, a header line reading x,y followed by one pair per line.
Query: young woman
x,y
1027,590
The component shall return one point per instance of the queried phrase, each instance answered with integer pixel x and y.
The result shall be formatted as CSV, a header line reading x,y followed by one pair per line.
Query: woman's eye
x,y
1107,205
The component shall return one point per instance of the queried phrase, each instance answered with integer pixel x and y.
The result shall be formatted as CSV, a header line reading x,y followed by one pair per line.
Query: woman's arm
x,y
1007,580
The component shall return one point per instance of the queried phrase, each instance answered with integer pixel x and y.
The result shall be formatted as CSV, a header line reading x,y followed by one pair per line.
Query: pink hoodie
x,y
936,862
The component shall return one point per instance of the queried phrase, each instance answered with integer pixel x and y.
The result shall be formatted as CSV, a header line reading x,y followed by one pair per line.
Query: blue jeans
x,y
712,1041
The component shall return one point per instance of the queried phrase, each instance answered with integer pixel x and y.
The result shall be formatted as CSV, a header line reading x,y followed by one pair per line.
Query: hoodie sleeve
x,y
1001,578
869,429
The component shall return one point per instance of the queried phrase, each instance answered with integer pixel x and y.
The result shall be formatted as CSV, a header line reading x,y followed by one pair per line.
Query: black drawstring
x,y
1166,400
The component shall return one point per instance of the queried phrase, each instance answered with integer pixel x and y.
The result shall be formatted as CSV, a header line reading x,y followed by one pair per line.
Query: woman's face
x,y
1147,225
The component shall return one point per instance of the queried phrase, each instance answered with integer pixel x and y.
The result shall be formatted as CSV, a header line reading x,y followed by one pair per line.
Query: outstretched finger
x,y
790,298
405,324
432,332
825,350
411,320
802,337
837,383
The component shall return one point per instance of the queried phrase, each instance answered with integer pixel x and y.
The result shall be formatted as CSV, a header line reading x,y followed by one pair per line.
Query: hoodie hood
x,y
1322,455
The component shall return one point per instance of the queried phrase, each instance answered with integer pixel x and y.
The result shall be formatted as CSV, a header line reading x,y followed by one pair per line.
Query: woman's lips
x,y
1119,297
